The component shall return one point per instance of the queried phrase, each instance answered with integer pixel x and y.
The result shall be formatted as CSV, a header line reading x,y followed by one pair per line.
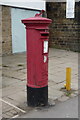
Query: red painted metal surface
x,y
36,34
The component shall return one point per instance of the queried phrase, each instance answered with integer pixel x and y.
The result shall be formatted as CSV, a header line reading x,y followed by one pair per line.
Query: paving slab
x,y
1,92
58,86
54,94
14,74
63,98
57,78
18,97
0,108
6,108
7,81
14,88
15,79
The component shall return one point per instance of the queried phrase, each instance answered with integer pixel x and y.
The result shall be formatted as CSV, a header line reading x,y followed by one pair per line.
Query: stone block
x,y
15,74
54,94
57,78
63,98
6,30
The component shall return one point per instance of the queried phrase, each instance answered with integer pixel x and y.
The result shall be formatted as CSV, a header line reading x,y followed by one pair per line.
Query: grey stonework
x,y
0,30
6,30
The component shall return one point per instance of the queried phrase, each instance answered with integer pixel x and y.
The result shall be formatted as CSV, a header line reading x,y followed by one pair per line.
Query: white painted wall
x,y
31,4
60,0
18,29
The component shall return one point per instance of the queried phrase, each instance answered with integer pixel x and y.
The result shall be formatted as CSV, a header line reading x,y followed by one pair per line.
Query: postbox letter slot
x,y
44,33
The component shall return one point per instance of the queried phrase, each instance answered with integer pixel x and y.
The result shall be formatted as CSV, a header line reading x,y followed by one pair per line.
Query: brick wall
x,y
64,33
6,30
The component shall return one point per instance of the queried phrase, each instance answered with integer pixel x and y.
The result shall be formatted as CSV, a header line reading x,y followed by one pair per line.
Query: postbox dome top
x,y
36,19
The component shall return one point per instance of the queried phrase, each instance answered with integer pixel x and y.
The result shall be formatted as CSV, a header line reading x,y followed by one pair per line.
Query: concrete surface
x,y
67,109
14,80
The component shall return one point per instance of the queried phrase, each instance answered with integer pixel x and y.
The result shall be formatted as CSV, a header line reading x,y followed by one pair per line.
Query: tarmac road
x,y
68,109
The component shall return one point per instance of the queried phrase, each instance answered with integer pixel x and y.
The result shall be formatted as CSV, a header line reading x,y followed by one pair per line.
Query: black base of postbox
x,y
37,96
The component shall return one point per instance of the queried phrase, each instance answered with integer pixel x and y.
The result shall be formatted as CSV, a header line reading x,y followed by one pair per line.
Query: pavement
x,y
14,79
67,109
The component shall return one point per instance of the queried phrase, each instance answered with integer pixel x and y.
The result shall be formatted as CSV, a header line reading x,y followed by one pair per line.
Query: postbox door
x,y
43,81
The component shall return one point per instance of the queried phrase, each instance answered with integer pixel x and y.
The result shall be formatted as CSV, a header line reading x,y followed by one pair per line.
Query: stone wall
x,y
6,30
64,32
0,30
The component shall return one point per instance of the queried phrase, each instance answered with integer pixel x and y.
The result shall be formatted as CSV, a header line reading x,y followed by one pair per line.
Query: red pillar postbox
x,y
37,35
